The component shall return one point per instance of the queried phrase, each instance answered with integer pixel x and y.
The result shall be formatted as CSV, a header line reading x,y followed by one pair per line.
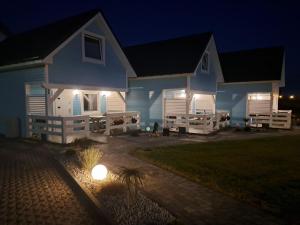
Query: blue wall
x,y
68,67
233,97
145,96
207,81
12,95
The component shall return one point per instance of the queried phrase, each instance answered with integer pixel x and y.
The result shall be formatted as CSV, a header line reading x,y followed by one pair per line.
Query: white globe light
x,y
99,172
148,129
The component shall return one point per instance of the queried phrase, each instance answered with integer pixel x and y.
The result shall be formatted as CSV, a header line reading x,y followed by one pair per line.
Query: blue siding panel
x,y
233,97
145,96
68,67
76,105
103,103
12,95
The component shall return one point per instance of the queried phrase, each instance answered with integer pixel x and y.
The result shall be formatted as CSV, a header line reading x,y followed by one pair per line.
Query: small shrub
x,y
89,158
133,179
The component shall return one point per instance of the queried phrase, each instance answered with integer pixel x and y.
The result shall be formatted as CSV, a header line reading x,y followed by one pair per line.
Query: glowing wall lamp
x,y
99,172
76,92
280,96
291,97
106,93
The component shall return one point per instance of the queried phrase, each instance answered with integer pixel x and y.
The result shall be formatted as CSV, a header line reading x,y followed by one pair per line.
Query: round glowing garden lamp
x,y
99,172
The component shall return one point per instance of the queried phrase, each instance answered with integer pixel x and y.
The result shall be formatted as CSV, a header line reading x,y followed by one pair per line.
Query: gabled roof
x,y
174,56
40,42
262,64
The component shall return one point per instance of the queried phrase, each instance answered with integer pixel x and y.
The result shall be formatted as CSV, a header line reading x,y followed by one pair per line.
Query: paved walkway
x,y
190,202
34,191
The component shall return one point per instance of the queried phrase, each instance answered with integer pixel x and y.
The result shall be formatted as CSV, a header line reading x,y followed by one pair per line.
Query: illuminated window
x,y
90,102
204,62
259,96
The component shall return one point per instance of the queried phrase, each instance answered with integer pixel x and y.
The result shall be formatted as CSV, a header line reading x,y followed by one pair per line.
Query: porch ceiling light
x,y
197,96
182,94
99,172
106,93
76,92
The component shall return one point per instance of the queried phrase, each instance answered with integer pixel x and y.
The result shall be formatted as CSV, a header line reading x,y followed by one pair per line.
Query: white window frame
x,y
82,103
102,48
202,70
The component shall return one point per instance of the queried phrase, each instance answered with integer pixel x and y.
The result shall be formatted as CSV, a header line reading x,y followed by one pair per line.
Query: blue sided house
x,y
252,79
54,78
176,83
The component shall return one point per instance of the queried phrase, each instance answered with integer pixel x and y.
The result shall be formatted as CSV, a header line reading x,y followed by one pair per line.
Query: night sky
x,y
236,25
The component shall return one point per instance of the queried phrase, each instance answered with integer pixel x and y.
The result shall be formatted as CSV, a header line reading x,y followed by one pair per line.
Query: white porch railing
x,y
57,126
195,123
123,120
281,119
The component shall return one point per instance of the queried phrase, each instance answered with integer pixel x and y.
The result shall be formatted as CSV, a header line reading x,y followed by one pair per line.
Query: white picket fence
x,y
281,119
57,126
195,123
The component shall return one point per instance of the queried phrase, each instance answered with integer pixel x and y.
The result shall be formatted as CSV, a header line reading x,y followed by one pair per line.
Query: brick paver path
x,y
32,190
190,202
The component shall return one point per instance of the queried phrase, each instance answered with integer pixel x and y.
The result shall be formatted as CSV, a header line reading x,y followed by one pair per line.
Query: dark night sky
x,y
236,25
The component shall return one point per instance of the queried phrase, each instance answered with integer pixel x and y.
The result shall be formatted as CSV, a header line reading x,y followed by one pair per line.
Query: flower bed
x,y
113,198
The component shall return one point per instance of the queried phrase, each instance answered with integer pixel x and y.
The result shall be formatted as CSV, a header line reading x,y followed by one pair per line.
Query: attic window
x,y
204,62
93,48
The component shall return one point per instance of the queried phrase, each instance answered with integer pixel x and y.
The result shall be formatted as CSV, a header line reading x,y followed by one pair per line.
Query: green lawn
x,y
264,172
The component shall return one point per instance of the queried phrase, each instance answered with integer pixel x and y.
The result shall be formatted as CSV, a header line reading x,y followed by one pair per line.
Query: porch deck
x,y
280,119
197,123
64,129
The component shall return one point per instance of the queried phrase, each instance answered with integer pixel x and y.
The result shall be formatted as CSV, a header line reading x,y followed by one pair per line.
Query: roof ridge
x,y
169,39
253,49
57,21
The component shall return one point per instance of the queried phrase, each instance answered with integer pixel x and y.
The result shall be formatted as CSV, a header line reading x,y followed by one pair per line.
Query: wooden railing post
x,y
63,130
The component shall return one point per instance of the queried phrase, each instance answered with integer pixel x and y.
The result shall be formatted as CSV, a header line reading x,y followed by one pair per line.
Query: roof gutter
x,y
161,76
22,65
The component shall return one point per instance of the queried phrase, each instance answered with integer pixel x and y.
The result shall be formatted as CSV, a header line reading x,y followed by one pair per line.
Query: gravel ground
x,y
112,196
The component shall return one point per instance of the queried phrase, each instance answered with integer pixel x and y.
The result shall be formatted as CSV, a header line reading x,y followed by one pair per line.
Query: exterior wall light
x,y
106,93
76,92
280,96
291,97
99,172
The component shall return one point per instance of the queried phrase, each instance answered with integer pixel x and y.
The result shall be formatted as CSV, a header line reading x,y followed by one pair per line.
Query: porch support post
x,y
188,101
55,95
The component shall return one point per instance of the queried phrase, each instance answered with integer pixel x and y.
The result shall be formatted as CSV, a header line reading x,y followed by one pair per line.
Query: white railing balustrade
x,y
197,123
123,120
281,119
57,126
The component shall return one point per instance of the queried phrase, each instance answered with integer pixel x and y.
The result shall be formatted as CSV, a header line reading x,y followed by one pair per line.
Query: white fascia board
x,y
80,87
22,65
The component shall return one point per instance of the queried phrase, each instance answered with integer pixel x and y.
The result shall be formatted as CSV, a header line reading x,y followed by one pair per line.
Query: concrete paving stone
x,y
34,192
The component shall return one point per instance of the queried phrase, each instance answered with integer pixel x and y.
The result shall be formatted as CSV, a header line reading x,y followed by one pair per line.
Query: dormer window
x,y
93,48
204,62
